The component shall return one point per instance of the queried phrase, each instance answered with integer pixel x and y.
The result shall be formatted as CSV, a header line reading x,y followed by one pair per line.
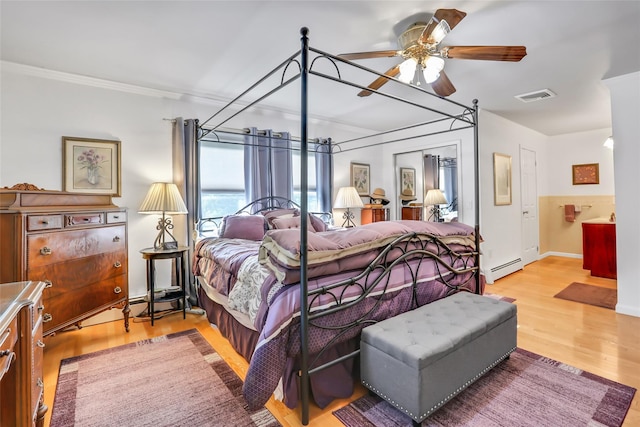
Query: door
x,y
529,191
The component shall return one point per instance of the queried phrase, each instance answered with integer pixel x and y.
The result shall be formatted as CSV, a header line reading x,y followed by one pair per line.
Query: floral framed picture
x,y
586,174
360,178
408,181
501,179
91,165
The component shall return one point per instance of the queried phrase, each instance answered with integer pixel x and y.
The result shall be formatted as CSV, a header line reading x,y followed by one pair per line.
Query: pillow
x,y
317,223
248,227
292,222
279,213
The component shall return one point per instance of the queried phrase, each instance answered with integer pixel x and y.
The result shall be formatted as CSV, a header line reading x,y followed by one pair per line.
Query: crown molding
x,y
29,70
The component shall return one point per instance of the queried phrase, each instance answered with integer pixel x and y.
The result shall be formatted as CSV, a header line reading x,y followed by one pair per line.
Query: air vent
x,y
536,96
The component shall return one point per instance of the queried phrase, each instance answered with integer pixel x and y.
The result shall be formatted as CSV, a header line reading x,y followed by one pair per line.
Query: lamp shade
x,y
348,197
163,197
435,197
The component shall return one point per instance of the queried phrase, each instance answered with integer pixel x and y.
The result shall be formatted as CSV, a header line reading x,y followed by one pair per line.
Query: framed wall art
x,y
501,179
91,165
360,178
408,181
586,174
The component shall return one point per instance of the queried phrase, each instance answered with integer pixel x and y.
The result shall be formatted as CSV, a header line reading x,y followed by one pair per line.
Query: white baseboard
x,y
562,254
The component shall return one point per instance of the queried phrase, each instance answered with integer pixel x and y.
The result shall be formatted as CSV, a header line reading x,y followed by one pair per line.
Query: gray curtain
x,y
324,174
431,173
450,170
268,165
186,152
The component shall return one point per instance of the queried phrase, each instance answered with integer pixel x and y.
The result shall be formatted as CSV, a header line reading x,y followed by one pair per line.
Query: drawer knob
x,y
40,307
117,290
117,264
45,251
40,344
116,217
116,239
4,353
47,284
45,222
47,317
40,383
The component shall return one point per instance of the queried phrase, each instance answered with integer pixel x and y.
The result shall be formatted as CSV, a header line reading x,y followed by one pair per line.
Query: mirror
x,y
436,168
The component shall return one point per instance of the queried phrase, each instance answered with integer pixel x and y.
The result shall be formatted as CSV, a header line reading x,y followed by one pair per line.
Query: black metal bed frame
x,y
409,249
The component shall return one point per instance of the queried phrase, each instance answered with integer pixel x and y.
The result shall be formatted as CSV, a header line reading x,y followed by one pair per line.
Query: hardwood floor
x,y
591,338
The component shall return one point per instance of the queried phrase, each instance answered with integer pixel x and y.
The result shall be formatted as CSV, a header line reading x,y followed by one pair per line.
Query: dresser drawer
x,y
76,219
116,217
36,310
68,276
50,248
72,307
8,339
44,222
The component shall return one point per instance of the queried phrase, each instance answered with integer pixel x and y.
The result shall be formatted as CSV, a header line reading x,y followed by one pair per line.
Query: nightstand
x,y
178,256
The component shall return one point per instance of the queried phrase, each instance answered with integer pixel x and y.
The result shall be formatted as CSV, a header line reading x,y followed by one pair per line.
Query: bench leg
x,y
415,423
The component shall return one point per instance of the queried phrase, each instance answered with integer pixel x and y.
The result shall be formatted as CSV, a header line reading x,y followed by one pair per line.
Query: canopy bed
x,y
291,294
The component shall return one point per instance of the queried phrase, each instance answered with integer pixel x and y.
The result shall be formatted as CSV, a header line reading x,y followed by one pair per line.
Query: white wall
x,y
39,108
501,226
577,148
625,111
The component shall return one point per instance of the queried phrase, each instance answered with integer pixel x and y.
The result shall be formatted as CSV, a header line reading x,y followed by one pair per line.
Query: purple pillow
x,y
317,223
291,222
279,213
248,227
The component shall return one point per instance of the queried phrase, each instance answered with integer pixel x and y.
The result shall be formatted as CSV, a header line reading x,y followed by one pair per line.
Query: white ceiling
x,y
216,49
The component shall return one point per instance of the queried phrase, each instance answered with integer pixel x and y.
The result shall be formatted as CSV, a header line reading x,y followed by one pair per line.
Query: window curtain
x,y
268,165
324,174
431,173
186,152
450,172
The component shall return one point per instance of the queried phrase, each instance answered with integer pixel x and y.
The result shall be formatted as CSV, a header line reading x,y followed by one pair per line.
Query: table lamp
x,y
434,198
348,198
163,198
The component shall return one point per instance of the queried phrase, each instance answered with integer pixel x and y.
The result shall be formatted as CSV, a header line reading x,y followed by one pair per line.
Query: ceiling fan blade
x,y
372,54
377,83
488,53
443,85
452,18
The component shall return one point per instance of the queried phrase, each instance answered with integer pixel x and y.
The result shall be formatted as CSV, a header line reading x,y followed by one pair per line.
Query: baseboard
x,y
561,254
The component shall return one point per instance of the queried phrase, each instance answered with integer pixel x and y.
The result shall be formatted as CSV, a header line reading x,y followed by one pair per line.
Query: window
x,y
222,176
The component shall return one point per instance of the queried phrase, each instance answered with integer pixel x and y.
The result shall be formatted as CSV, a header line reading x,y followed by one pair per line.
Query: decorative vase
x,y
92,175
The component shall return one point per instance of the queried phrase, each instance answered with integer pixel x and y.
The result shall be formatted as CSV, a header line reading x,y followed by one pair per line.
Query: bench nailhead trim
x,y
442,402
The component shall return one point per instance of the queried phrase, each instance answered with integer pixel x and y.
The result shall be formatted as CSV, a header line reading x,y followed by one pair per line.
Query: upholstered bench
x,y
419,360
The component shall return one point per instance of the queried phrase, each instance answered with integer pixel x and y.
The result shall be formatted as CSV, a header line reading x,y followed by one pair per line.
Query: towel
x,y
570,213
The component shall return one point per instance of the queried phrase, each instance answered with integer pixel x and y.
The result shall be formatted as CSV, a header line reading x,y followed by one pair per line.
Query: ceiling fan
x,y
421,52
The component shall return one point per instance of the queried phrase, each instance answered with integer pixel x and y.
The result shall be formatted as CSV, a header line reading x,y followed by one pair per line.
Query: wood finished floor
x,y
591,338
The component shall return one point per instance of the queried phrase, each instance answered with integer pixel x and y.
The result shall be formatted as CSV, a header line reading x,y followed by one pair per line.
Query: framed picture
x,y
91,165
408,181
360,178
501,179
586,174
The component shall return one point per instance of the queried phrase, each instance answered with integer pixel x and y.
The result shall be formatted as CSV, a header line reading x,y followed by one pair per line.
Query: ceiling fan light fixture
x,y
407,70
440,32
433,66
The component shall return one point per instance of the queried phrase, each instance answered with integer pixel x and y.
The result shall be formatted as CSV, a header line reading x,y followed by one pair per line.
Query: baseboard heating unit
x,y
506,268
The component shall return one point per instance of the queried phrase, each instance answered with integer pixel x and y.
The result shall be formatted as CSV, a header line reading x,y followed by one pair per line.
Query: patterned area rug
x,y
173,380
590,294
525,390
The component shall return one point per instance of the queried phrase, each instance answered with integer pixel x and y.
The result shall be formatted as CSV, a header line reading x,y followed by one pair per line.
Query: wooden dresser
x,y
74,242
373,213
412,212
21,354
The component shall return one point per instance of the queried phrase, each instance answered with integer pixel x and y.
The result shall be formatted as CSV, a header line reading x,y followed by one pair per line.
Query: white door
x,y
529,191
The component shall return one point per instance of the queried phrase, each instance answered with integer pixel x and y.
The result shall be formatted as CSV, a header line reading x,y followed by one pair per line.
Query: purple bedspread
x,y
278,348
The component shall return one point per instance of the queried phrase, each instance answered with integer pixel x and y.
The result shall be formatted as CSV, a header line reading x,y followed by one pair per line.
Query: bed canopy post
x,y
476,169
304,317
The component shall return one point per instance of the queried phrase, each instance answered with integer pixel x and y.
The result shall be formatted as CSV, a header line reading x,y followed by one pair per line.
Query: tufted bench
x,y
419,360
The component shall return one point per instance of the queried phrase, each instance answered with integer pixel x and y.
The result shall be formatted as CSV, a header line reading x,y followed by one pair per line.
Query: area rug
x,y
173,380
590,294
525,390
